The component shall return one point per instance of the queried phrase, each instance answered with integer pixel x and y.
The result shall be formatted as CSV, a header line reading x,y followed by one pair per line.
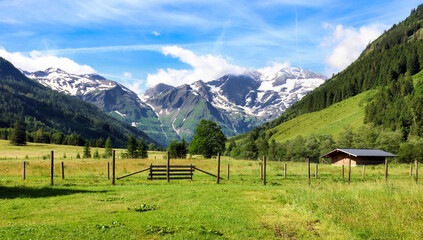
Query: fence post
x,y
108,171
261,171
349,170
218,168
151,171
63,171
411,169
316,171
228,171
342,171
51,167
167,166
417,171
364,171
264,170
284,170
113,166
23,171
386,169
308,170
191,171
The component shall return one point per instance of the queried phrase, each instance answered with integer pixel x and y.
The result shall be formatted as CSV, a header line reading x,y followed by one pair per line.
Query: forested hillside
x,y
39,107
391,67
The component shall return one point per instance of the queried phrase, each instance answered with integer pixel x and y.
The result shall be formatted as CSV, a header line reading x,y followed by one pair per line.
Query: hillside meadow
x,y
86,205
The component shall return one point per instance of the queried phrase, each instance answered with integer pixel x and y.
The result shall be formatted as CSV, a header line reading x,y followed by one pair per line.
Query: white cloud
x,y
127,74
348,44
204,67
37,61
155,33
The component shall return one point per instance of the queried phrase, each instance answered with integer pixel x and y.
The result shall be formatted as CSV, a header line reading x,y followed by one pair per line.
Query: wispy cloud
x,y
141,47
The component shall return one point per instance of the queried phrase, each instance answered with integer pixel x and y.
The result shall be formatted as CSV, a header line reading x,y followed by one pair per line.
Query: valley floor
x,y
86,206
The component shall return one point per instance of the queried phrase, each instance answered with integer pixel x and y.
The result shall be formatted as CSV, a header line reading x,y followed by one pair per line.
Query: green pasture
x,y
85,205
329,121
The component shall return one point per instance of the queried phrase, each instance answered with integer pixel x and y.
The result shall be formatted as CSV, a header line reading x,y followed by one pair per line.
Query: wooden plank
x,y
261,171
51,168
167,166
417,170
386,169
170,174
228,171
349,170
23,170
205,172
130,174
364,171
172,166
171,178
108,171
171,170
308,171
63,170
316,171
264,170
284,170
218,168
192,171
113,166
411,169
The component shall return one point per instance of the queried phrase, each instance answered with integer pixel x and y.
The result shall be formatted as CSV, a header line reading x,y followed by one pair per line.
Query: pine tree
x,y
108,148
96,154
87,150
142,149
131,148
18,137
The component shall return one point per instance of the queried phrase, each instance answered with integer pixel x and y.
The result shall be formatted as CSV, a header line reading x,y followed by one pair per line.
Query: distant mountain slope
x,y
25,99
109,96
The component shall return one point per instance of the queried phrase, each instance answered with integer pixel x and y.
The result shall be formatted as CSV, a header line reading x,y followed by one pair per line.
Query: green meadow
x,y
85,205
329,121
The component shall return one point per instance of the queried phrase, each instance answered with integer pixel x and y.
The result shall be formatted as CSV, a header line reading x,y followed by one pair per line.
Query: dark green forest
x,y
38,107
390,65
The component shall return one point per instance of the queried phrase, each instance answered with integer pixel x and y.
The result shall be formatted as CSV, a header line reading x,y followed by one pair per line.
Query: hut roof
x,y
361,153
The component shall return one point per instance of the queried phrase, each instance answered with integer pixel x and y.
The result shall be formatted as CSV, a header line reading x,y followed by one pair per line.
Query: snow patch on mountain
x,y
71,84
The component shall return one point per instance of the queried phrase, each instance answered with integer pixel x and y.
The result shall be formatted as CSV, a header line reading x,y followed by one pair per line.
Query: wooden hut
x,y
341,156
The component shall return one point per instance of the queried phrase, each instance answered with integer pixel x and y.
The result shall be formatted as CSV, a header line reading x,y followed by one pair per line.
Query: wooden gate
x,y
159,172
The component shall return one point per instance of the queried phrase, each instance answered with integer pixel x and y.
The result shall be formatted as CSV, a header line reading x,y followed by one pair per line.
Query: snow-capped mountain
x,y
109,96
71,84
238,103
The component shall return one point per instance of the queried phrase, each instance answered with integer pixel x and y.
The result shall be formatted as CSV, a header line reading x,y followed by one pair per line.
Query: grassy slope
x,y
86,205
331,120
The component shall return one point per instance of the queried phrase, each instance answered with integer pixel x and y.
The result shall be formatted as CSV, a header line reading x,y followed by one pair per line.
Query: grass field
x,y
331,120
86,205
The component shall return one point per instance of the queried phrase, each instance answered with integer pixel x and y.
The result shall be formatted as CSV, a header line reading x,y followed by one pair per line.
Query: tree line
x,y
313,146
47,137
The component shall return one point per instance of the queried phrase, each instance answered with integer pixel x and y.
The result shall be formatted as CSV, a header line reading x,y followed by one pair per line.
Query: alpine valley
x,y
238,103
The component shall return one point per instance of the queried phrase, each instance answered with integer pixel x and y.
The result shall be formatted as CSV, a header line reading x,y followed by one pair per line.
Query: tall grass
x,y
86,205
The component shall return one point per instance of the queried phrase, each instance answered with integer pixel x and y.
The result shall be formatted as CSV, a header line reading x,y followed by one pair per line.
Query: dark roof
x,y
362,152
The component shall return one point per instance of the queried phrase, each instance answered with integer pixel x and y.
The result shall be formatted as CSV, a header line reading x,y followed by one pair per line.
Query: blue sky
x,y
142,43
